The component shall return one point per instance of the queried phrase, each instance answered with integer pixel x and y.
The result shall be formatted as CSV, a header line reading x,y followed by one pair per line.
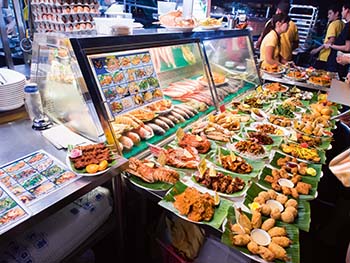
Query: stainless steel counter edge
x,y
19,139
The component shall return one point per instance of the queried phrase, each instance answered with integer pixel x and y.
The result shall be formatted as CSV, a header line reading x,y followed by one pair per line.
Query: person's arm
x,y
343,59
344,48
316,50
269,51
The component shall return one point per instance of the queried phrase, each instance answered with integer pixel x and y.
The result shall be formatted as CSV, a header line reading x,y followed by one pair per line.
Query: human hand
x,y
343,59
326,46
313,52
347,79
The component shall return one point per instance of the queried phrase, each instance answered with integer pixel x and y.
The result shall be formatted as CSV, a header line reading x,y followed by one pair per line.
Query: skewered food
x,y
91,154
151,172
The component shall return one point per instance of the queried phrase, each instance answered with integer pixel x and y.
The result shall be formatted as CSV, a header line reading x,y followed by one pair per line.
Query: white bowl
x,y
261,237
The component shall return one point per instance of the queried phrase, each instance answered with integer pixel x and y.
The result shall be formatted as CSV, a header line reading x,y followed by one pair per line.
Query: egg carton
x,y
54,18
72,9
65,27
62,2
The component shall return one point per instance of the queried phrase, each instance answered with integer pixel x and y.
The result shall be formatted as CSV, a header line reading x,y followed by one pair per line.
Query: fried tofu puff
x,y
268,224
275,213
238,229
277,231
260,200
287,217
278,251
282,241
264,195
241,240
282,199
265,209
292,210
272,194
256,219
266,254
253,247
291,202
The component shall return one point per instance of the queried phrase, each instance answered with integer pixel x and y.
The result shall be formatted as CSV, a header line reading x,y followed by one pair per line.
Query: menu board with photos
x,y
127,80
34,176
11,211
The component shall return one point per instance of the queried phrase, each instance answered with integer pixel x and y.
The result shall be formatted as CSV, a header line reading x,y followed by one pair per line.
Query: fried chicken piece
x,y
256,219
269,179
294,193
238,229
277,231
240,240
268,224
282,241
244,221
278,251
303,188
266,253
253,247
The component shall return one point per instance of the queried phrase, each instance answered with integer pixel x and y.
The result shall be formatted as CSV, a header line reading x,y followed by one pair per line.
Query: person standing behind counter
x,y
289,40
334,29
271,41
341,43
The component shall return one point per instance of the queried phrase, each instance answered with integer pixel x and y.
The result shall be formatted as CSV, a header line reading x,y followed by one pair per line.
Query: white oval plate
x,y
68,163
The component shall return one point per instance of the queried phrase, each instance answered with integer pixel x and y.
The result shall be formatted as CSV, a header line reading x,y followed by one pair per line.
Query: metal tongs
x,y
340,115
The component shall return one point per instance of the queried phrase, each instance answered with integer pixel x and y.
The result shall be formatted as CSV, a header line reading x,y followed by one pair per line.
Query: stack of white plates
x,y
11,89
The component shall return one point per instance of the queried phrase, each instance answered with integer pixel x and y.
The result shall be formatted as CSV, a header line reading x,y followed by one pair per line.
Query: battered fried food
x,y
278,251
259,200
277,231
272,193
282,241
264,195
253,247
195,205
268,224
291,202
282,199
266,254
265,210
275,213
240,240
243,220
287,217
238,229
303,188
256,219
292,210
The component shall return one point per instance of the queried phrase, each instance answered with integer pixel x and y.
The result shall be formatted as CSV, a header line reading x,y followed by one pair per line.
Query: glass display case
x,y
145,87
64,94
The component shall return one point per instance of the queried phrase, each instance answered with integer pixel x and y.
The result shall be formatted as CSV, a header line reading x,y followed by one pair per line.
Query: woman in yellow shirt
x,y
334,28
270,45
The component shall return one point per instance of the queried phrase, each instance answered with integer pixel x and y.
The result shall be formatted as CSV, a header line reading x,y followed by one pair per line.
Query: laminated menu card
x,y
34,176
11,211
126,80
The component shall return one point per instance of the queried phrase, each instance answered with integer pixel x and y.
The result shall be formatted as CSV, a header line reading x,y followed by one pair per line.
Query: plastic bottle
x,y
32,100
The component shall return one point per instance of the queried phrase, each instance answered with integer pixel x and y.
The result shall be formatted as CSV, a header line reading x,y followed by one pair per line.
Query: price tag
x,y
233,156
222,108
162,158
212,171
259,89
180,134
202,167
